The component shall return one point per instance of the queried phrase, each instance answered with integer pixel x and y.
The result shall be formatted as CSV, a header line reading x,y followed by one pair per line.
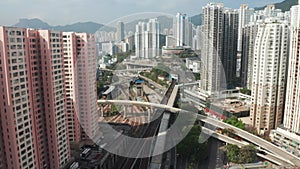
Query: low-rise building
x,y
193,64
286,140
226,108
175,50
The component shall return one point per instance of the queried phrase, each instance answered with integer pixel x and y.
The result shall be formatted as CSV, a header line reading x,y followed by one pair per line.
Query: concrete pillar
x,y
125,111
101,110
149,114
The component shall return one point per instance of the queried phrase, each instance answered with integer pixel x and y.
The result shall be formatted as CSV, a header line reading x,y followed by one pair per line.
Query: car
x,y
94,146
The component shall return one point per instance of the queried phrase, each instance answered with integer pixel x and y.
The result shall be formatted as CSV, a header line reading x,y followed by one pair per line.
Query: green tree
x,y
247,154
190,147
229,132
234,121
122,56
233,152
246,91
197,76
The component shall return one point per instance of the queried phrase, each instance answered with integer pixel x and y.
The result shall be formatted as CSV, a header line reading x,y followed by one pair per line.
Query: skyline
x,y
158,92
103,12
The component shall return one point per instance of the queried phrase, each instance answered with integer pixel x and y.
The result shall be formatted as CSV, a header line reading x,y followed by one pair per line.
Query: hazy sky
x,y
61,12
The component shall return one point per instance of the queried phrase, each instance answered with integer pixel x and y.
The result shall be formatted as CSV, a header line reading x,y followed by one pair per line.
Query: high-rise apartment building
x,y
103,36
292,105
87,91
51,47
244,18
71,81
81,94
287,135
197,39
212,28
48,96
229,49
245,14
249,32
183,30
147,39
18,144
248,41
120,31
269,74
33,120
269,11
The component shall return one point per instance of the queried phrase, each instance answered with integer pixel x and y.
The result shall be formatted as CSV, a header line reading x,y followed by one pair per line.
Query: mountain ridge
x,y
284,5
35,23
92,27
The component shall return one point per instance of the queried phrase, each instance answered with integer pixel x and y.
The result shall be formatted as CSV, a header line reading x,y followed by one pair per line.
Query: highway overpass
x,y
263,144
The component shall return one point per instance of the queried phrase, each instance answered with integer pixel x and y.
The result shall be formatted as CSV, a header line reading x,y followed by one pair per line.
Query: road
x,y
215,157
279,152
282,154
153,96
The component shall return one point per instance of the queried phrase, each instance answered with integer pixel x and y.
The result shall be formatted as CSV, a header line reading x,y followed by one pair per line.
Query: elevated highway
x,y
148,131
126,70
259,142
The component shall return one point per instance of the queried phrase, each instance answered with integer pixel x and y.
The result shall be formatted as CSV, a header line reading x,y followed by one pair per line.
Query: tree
x,y
251,130
234,121
233,152
190,147
122,56
229,132
246,91
246,154
197,76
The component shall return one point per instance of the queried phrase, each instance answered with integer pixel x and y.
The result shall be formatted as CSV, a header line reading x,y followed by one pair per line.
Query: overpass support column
x,y
149,114
125,111
101,110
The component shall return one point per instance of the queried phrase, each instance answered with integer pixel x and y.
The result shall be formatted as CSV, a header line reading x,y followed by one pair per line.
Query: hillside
x,y
32,23
92,27
197,19
284,6
89,27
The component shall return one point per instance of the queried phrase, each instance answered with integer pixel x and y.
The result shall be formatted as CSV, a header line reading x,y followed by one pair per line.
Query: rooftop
x,y
232,105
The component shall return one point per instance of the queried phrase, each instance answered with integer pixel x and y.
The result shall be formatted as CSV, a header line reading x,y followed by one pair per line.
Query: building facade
x,y
287,135
212,28
183,30
120,32
248,41
269,74
245,14
147,39
33,121
230,42
54,96
71,81
292,106
48,92
87,91
17,129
